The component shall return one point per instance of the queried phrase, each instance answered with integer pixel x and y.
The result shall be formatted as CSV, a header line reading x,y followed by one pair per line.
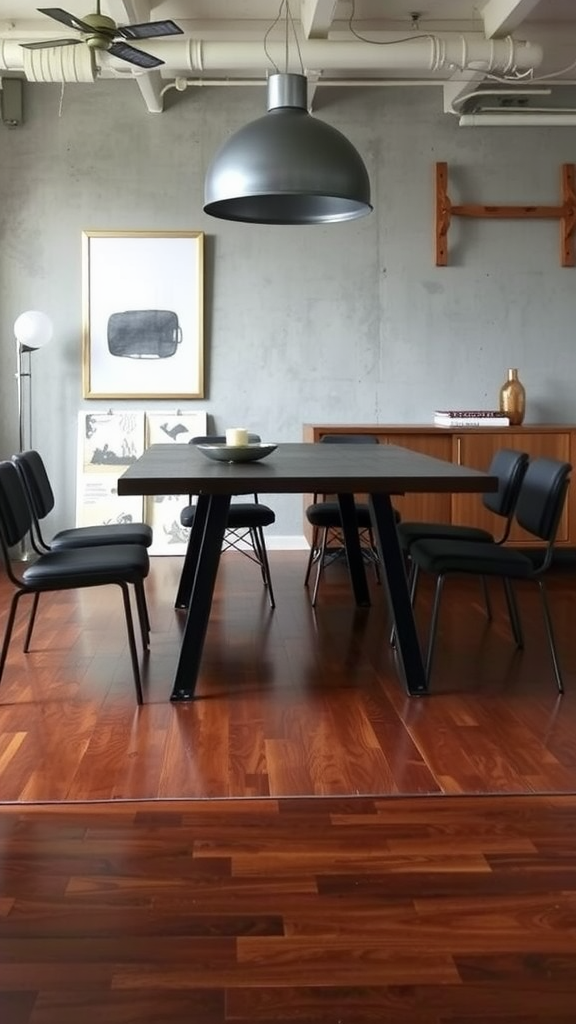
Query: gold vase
x,y
513,398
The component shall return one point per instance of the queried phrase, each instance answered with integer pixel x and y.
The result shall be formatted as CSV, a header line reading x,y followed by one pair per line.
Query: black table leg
x,y
394,574
354,550
192,552
201,598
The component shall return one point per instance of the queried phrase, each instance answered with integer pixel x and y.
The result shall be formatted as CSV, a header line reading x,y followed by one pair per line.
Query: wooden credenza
x,y
467,446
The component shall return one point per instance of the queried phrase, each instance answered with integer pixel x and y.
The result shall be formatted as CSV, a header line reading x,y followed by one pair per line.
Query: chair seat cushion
x,y
443,556
114,533
411,532
242,515
326,514
93,566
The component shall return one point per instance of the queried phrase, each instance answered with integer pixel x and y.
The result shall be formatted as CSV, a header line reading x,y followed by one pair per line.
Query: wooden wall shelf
x,y
566,214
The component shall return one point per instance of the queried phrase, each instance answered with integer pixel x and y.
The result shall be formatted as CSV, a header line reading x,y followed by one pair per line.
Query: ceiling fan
x,y
102,33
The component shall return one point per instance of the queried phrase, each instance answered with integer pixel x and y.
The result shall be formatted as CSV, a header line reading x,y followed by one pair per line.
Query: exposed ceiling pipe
x,y
181,84
505,120
433,54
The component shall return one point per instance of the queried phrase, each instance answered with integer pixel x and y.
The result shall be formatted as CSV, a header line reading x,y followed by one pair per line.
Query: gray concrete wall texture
x,y
339,323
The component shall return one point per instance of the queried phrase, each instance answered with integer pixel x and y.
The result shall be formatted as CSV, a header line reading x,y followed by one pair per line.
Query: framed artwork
x,y
142,314
163,511
108,443
178,427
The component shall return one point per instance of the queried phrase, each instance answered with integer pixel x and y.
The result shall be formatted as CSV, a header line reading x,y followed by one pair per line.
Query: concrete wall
x,y
346,323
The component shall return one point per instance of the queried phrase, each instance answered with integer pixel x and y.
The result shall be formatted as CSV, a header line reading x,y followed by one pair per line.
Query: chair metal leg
x,y
550,633
513,614
486,595
142,615
8,630
262,554
319,566
145,612
312,556
31,621
132,642
257,542
433,627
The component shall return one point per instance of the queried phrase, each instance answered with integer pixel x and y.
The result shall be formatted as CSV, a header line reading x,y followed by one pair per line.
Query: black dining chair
x,y
37,484
325,519
509,466
538,511
245,524
41,501
66,569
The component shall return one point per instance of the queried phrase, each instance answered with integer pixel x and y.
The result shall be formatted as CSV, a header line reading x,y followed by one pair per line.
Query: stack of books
x,y
470,418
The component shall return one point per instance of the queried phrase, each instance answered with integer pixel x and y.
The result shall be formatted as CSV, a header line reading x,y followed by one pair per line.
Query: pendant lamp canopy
x,y
287,167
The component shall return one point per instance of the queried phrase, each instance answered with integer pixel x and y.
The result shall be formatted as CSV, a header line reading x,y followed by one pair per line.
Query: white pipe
x,y
520,120
432,53
181,84
507,90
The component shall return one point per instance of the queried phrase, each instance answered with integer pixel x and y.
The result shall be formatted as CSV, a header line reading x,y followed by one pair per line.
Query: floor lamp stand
x,y
32,330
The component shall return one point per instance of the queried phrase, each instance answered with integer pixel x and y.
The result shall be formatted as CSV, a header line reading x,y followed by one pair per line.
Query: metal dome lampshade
x,y
287,167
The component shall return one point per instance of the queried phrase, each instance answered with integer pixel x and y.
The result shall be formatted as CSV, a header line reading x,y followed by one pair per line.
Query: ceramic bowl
x,y
236,452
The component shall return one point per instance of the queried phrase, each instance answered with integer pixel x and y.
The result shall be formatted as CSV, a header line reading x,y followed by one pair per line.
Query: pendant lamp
x,y
287,167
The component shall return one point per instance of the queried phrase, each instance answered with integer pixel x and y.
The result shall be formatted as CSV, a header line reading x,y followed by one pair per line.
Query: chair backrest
x,y
15,515
36,482
509,466
349,439
221,439
542,495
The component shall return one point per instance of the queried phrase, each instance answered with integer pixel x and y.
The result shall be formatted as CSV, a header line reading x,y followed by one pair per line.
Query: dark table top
x,y
299,468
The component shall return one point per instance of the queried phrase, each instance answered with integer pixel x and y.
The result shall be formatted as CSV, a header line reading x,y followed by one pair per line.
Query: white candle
x,y
236,436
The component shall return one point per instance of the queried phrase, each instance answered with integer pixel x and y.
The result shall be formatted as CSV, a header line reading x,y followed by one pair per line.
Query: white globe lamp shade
x,y
33,329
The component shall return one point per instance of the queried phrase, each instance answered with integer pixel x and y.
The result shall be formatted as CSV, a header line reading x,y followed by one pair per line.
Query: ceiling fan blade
x,y
150,29
49,43
134,56
67,19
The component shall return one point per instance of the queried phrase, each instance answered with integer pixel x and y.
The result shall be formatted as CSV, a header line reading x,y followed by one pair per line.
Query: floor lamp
x,y
32,330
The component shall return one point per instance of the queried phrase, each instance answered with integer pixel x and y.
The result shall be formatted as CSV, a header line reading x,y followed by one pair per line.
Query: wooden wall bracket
x,y
566,214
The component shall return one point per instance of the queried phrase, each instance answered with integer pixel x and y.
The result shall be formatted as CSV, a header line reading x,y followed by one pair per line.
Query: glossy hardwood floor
x,y
291,702
422,910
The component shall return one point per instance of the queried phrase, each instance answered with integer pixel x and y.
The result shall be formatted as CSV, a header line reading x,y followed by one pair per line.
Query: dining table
x,y
379,471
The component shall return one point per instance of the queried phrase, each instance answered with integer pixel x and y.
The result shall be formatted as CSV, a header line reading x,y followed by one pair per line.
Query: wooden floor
x,y
423,910
291,702
342,879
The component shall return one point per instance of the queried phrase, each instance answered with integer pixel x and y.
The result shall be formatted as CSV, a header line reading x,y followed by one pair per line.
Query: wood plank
x,y
411,909
295,702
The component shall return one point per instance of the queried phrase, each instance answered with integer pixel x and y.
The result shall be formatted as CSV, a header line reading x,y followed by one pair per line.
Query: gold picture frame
x,y
143,314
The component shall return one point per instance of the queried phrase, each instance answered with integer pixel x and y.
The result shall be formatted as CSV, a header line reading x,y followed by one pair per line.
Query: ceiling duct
x,y
436,55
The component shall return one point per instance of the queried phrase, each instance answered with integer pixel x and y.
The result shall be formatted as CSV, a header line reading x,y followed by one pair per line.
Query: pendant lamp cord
x,y
290,24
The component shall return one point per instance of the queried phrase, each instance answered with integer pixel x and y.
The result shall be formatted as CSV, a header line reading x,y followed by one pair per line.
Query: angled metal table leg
x,y
354,550
192,552
201,598
394,574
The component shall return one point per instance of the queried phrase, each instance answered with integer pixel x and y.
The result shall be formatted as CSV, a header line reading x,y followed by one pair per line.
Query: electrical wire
x,y
267,35
285,4
382,42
